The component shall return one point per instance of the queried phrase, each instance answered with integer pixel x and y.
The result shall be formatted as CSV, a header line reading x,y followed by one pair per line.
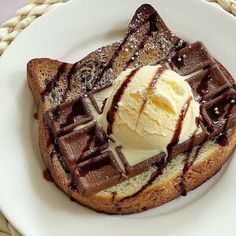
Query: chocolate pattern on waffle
x,y
83,145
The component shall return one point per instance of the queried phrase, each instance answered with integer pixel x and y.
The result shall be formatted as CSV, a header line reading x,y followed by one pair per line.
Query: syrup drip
x,y
52,83
153,27
222,139
87,146
113,196
36,116
151,86
175,139
116,99
72,185
77,110
116,204
190,158
160,167
47,175
69,80
72,199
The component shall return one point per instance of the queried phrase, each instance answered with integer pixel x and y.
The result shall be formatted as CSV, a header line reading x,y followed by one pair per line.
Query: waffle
x,y
76,150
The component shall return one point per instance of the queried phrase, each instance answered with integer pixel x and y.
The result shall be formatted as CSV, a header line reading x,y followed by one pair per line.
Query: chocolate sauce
x,y
150,87
136,53
152,28
52,153
50,138
116,99
160,167
111,61
175,140
54,149
90,140
51,84
202,88
193,138
222,139
187,165
47,175
36,116
153,23
222,110
77,110
103,104
69,80
72,199
72,185
180,44
178,61
178,128
190,158
113,196
152,19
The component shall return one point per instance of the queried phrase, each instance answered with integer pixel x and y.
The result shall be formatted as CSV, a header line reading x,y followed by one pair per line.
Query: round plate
x,y
68,33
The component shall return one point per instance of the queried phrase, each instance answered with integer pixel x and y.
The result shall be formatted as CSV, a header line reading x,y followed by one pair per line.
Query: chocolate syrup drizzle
x,y
190,158
152,28
115,202
222,139
175,139
69,78
51,84
160,167
77,110
87,146
54,149
116,99
202,88
36,116
140,47
47,175
150,87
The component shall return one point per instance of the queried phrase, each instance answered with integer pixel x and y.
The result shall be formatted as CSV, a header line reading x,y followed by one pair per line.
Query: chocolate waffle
x,y
77,151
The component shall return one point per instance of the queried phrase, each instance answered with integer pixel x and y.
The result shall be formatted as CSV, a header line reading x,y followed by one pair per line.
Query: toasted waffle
x,y
76,150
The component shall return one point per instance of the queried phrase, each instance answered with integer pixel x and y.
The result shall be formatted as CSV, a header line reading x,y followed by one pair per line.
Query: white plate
x,y
37,207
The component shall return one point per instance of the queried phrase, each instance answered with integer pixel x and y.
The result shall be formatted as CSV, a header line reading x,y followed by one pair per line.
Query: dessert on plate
x,y
137,123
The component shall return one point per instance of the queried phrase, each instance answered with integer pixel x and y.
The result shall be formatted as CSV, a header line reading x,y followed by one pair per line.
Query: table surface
x,y
9,7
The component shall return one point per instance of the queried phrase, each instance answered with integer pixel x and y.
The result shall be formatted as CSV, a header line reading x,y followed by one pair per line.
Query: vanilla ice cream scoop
x,y
146,107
